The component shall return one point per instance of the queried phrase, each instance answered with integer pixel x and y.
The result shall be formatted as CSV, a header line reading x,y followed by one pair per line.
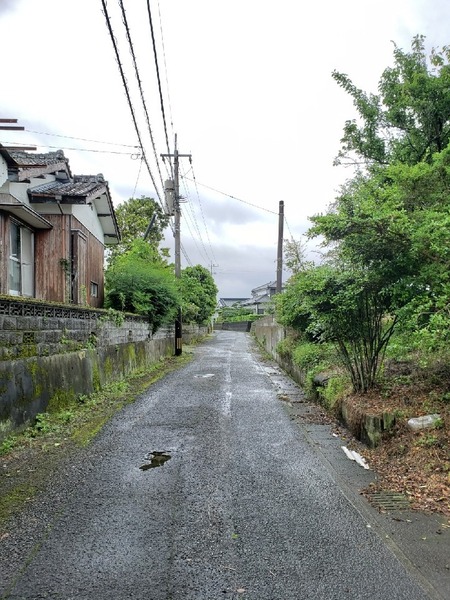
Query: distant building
x,y
261,298
229,302
259,301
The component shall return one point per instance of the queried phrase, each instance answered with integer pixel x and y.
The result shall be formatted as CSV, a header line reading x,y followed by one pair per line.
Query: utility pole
x,y
177,235
280,247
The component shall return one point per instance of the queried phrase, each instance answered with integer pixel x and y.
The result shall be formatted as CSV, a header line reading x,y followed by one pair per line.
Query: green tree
x,y
199,293
392,226
133,217
387,232
409,119
347,307
294,255
138,281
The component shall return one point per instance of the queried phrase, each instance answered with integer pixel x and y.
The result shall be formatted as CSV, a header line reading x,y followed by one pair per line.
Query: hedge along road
x,y
205,489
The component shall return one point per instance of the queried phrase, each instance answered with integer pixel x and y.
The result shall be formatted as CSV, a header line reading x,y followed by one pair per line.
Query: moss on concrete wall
x,y
31,384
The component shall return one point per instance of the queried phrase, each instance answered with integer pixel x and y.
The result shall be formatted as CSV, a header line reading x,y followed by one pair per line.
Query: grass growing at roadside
x,y
84,417
16,498
34,453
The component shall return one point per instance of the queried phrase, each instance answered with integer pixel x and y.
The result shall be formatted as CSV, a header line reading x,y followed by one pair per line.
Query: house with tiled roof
x,y
261,298
54,227
230,302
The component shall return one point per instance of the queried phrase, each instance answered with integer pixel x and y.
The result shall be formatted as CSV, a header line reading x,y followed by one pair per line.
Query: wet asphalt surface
x,y
203,489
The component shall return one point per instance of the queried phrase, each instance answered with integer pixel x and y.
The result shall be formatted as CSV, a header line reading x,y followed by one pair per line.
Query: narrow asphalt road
x,y
243,508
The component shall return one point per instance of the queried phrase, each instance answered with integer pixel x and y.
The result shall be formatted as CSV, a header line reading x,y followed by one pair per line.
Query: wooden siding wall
x,y
52,260
94,271
96,257
53,282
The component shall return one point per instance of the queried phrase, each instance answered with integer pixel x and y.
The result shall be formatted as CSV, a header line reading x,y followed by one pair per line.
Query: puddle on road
x,y
157,459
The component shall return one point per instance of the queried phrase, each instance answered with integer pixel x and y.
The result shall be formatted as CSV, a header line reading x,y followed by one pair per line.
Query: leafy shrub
x,y
198,292
337,387
308,355
134,285
286,347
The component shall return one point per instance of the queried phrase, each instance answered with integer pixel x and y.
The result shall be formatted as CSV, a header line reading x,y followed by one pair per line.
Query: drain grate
x,y
388,500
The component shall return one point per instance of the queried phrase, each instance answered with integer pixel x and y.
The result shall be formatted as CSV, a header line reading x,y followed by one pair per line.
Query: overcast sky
x,y
247,88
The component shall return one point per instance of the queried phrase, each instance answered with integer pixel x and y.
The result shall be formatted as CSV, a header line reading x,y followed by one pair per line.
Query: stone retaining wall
x,y
368,428
49,353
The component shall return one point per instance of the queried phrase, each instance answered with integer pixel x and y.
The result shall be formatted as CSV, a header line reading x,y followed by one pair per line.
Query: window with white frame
x,y
21,261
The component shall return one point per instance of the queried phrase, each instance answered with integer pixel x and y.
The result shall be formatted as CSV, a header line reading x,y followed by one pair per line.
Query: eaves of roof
x,y
265,286
83,189
67,190
256,300
15,207
24,165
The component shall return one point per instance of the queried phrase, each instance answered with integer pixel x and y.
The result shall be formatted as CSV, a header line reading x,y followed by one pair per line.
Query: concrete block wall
x,y
367,427
30,328
269,333
49,351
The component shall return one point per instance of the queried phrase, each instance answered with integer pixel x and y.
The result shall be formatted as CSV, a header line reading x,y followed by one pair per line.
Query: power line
x,y
288,228
138,79
235,198
196,225
203,215
132,154
195,241
165,65
191,216
185,254
155,55
124,81
71,137
137,179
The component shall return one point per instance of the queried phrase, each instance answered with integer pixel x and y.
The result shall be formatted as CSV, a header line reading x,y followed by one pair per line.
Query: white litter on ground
x,y
353,455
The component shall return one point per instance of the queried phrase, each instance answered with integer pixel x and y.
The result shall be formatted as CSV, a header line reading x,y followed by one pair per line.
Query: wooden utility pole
x,y
177,235
280,247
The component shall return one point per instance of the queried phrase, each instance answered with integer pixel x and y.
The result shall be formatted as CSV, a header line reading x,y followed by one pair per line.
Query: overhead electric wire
x,y
71,137
137,179
288,228
191,215
155,55
124,81
165,66
185,254
169,173
206,259
203,215
141,91
194,220
235,198
136,155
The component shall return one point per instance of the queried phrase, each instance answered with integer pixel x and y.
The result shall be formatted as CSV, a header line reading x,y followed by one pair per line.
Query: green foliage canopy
x,y
133,217
387,232
409,119
344,306
136,283
199,294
